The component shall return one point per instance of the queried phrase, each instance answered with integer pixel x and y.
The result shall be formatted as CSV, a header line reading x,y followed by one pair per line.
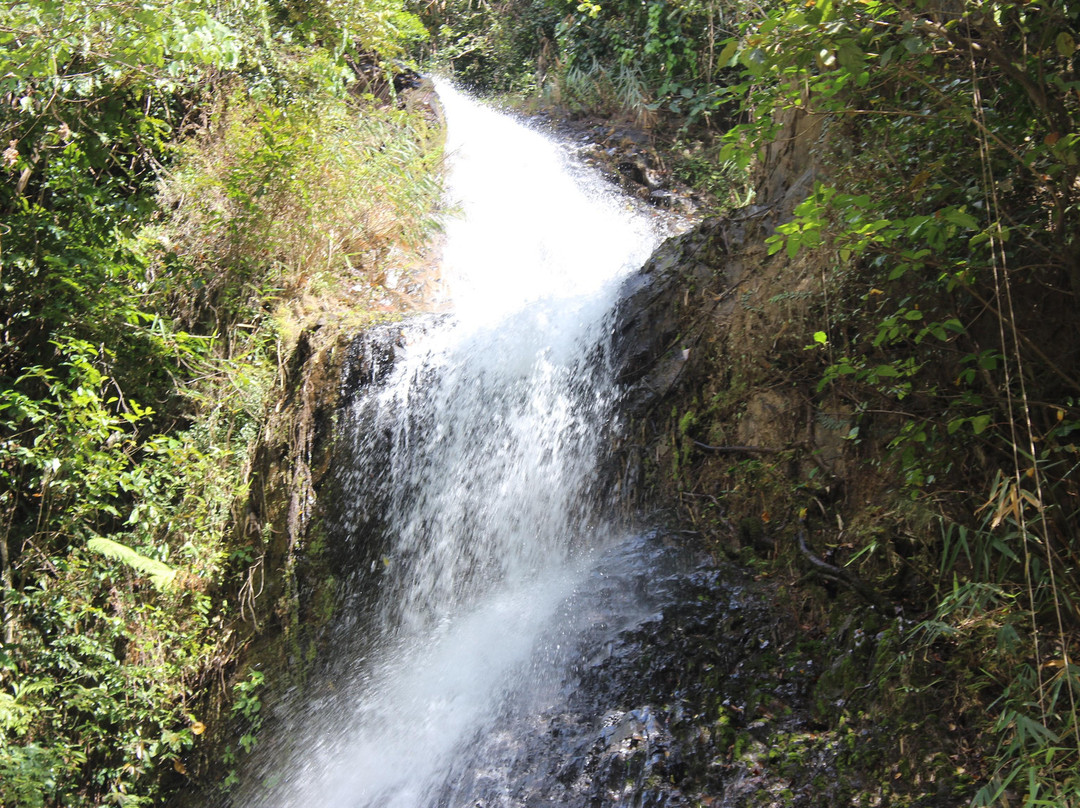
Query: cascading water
x,y
495,417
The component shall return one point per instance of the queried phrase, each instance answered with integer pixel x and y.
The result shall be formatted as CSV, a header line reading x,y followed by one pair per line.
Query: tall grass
x,y
600,89
274,202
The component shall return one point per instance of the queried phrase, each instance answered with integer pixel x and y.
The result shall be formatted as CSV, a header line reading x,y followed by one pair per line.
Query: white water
x,y
497,418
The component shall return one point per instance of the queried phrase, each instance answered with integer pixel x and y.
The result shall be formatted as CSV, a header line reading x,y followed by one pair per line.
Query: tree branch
x,y
738,449
867,592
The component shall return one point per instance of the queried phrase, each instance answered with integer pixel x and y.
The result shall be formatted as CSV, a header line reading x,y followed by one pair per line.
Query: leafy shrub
x,y
127,416
949,221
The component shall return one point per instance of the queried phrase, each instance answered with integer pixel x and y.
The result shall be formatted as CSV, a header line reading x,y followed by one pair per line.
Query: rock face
x,y
688,687
663,331
665,305
728,433
353,504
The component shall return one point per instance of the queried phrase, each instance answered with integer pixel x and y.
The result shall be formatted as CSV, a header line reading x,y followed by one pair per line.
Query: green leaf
x,y
793,245
979,423
727,55
160,573
821,338
960,217
1065,44
850,56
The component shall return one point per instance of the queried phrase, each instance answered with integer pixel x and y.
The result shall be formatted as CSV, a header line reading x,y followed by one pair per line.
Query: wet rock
x,y
370,358
654,321
419,95
626,156
371,355
707,698
654,721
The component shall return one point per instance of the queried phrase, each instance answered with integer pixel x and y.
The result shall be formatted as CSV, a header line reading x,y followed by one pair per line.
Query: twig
x,y
739,449
868,593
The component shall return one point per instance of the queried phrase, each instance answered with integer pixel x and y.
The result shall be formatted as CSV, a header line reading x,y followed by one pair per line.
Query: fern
x,y
161,574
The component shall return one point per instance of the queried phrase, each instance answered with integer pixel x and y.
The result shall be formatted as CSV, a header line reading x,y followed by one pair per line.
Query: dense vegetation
x,y
947,223
185,182
177,176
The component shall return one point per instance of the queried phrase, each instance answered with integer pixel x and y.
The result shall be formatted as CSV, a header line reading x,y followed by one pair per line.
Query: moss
x,y
687,422
742,742
325,600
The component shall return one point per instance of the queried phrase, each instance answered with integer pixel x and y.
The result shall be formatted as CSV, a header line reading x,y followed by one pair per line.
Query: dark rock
x,y
695,702
654,321
370,358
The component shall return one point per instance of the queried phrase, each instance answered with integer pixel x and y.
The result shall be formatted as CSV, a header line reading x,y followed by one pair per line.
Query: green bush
x,y
137,285
949,225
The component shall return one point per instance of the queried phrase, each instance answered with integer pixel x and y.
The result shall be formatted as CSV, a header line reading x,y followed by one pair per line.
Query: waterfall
x,y
492,419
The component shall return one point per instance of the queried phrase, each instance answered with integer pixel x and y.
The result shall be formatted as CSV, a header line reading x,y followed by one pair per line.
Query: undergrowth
x,y
272,203
944,223
171,174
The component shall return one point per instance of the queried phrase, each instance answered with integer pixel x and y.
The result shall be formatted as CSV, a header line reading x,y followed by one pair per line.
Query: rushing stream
x,y
475,459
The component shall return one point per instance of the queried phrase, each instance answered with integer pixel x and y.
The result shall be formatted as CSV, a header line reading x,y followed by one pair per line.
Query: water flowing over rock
x,y
499,637
464,476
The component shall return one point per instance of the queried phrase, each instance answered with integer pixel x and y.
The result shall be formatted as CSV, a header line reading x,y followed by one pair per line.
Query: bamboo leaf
x,y
1034,730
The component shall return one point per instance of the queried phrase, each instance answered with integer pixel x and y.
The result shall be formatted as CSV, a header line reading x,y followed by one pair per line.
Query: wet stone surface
x,y
625,155
671,696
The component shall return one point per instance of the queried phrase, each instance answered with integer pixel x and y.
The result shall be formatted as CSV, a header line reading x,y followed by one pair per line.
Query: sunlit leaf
x,y
159,572
727,55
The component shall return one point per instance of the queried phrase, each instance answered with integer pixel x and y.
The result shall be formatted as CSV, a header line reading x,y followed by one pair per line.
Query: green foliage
x,y
96,665
248,706
670,47
160,573
699,167
382,27
267,202
493,45
644,59
139,350
948,224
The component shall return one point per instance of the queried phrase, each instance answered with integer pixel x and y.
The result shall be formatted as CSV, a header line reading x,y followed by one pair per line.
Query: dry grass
x,y
337,201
